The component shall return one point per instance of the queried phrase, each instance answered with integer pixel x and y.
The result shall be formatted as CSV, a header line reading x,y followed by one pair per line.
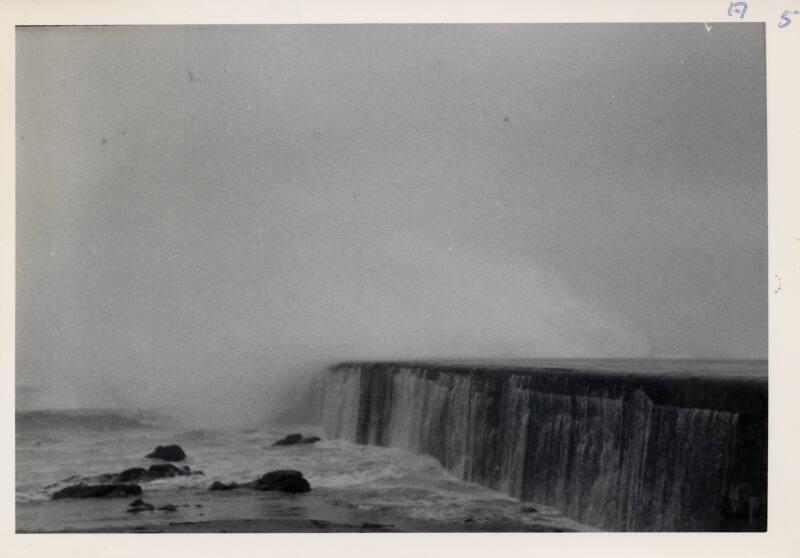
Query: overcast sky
x,y
202,209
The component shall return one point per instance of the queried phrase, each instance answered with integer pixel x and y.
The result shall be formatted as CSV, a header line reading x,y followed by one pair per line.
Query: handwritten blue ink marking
x,y
785,21
737,8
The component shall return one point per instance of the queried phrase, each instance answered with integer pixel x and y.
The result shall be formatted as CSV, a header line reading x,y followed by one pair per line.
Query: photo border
x,y
783,113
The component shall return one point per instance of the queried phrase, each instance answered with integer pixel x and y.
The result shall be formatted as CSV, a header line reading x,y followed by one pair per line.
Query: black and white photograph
x,y
391,278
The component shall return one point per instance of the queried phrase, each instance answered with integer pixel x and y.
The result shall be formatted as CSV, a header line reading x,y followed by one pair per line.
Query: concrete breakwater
x,y
648,450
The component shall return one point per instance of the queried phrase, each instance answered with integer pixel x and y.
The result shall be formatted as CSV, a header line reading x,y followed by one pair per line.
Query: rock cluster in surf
x,y
122,484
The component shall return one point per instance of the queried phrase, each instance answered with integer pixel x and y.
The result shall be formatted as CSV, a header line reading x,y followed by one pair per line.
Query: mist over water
x,y
409,301
207,217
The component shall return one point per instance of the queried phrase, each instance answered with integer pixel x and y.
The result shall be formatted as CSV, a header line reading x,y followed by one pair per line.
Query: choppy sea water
x,y
351,484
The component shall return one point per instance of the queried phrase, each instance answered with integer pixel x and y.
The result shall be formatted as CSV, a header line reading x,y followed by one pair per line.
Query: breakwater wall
x,y
621,450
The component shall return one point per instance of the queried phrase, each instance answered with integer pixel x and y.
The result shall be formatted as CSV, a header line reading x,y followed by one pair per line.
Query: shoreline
x,y
198,510
286,525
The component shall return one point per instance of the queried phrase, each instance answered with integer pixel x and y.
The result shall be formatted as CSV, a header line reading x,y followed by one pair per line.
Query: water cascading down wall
x,y
620,451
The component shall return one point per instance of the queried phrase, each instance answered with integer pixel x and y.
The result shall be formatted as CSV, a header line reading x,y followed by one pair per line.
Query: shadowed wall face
x,y
204,212
629,449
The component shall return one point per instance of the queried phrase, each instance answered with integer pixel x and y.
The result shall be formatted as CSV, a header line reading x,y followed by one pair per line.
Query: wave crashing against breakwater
x,y
618,449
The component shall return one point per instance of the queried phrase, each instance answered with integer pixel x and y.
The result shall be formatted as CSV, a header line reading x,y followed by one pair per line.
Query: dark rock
x,y
294,485
293,439
166,470
168,507
139,505
217,485
278,475
98,491
289,440
172,452
132,474
285,480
